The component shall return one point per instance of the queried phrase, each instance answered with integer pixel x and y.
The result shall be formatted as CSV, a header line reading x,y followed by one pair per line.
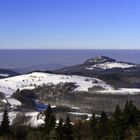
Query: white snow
x,y
4,75
34,121
53,106
13,102
74,107
30,81
4,101
12,116
4,88
110,65
121,91
80,114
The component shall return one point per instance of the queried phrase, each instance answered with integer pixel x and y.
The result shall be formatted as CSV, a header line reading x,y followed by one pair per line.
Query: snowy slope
x,y
12,116
110,65
4,75
30,81
104,62
122,91
34,121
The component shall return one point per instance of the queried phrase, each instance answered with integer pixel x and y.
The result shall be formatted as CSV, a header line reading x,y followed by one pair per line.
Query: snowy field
x,y
33,121
4,75
30,81
110,65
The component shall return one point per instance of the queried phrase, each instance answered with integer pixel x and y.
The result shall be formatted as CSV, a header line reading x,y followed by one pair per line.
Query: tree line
x,y
121,125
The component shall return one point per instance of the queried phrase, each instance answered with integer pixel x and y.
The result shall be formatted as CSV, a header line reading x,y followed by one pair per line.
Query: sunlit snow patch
x,y
110,65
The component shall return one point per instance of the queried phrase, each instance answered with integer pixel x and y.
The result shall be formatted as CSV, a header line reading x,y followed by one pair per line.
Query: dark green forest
x,y
121,125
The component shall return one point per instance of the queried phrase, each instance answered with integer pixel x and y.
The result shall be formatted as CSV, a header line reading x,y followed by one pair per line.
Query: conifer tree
x,y
5,124
78,128
49,120
93,125
131,114
68,129
103,127
134,117
60,130
117,114
117,129
131,117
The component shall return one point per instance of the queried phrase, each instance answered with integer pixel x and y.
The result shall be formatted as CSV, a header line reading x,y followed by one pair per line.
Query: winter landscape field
x,y
98,84
69,70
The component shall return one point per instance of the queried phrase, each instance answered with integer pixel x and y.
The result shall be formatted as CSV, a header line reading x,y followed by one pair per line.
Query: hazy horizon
x,y
24,58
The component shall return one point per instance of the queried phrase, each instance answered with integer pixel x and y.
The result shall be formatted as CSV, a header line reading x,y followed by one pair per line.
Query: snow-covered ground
x,y
34,120
4,75
122,91
12,116
110,65
30,81
13,102
81,114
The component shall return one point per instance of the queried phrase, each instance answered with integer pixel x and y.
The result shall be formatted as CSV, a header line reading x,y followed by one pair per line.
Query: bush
x,y
26,97
96,88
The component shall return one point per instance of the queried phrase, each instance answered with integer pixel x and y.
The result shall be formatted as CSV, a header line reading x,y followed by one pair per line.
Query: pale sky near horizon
x,y
69,24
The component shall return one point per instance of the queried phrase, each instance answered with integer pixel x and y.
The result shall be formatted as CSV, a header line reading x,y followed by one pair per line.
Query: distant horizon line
x,y
63,49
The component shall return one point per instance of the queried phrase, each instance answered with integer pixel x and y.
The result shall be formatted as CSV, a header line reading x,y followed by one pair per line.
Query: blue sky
x,y
69,24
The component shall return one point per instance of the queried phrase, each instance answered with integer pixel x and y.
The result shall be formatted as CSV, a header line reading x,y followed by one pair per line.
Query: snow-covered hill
x,y
111,65
104,62
30,81
100,65
117,73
